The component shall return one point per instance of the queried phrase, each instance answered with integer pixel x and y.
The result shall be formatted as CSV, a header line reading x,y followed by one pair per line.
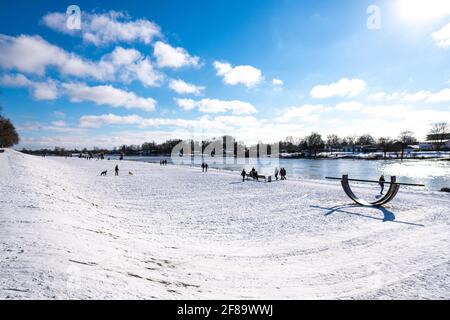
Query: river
x,y
433,173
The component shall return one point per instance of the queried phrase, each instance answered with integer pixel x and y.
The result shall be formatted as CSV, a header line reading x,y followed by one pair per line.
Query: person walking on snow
x,y
206,167
116,169
276,173
243,174
381,182
283,173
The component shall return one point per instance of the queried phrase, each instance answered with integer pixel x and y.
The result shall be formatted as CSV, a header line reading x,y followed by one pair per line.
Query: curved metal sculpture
x,y
390,194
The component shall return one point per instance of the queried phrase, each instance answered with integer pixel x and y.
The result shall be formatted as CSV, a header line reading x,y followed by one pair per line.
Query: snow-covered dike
x,y
175,232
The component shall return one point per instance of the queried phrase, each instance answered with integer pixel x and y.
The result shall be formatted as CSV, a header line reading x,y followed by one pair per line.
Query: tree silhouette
x,y
8,133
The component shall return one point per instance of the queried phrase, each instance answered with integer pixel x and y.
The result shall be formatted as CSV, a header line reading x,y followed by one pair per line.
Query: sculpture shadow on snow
x,y
388,216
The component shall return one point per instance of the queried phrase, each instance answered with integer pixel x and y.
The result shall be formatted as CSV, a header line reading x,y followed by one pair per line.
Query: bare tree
x,y
333,141
349,141
386,144
438,134
406,138
366,139
314,142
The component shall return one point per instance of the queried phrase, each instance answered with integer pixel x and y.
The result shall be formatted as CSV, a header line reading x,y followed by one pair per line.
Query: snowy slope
x,y
174,232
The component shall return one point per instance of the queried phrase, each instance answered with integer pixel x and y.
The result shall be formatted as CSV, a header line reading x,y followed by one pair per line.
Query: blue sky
x,y
260,70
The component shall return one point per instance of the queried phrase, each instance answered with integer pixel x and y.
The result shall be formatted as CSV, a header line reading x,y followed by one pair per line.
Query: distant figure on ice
x,y
121,156
203,167
276,173
243,174
206,167
116,169
381,182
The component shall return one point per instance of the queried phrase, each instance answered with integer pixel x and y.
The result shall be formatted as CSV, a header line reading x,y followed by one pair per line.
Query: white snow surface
x,y
177,233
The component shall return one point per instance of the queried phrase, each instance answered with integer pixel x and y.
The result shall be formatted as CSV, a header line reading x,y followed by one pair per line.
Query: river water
x,y
433,173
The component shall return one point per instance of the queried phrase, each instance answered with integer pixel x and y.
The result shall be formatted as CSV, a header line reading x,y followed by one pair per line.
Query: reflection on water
x,y
417,169
434,174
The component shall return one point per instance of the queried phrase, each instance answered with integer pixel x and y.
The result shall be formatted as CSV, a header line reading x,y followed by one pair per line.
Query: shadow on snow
x,y
388,216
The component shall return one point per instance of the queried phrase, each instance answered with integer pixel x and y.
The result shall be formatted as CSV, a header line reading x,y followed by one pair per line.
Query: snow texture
x,y
177,233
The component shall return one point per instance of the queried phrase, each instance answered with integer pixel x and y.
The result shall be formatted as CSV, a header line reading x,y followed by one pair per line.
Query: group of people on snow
x,y
204,167
281,172
163,162
254,174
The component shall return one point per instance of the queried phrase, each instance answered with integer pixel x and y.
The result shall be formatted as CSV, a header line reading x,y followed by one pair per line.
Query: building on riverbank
x,y
436,144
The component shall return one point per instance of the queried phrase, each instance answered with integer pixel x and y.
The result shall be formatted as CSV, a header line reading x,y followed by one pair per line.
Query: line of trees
x,y
314,143
311,144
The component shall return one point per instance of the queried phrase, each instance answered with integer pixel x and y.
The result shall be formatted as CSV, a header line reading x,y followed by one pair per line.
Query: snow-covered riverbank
x,y
175,232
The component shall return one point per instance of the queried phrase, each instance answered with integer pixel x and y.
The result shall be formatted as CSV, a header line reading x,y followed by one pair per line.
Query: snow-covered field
x,y
175,232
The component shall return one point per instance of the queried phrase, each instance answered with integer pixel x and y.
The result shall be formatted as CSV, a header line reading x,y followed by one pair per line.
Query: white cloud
x,y
349,106
45,90
55,126
239,121
59,123
422,95
413,97
111,27
32,54
441,96
344,87
168,56
217,106
129,65
144,72
91,121
186,104
376,96
277,82
16,80
246,75
245,128
121,56
442,36
107,95
307,112
217,125
182,87
121,64
415,11
395,111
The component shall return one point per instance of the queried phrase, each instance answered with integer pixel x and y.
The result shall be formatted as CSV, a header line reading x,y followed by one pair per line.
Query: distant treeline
x,y
308,146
